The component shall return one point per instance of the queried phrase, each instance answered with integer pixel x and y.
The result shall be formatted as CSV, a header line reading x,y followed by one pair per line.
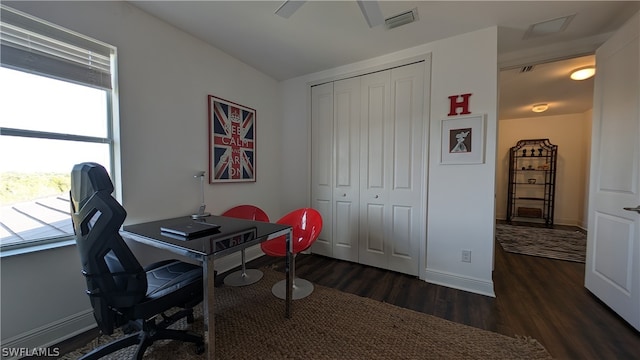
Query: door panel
x,y
346,192
401,232
613,240
375,107
374,170
373,236
403,129
344,229
406,164
612,270
321,163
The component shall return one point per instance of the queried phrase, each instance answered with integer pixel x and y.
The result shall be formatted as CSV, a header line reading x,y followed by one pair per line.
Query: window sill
x,y
36,247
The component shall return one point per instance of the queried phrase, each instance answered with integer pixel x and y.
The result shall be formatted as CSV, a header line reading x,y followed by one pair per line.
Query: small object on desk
x,y
190,229
201,213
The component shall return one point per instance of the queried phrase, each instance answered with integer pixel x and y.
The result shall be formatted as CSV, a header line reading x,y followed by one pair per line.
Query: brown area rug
x,y
330,324
544,242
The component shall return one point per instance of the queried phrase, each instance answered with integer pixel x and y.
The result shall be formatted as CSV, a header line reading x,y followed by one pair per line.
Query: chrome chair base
x,y
301,289
240,278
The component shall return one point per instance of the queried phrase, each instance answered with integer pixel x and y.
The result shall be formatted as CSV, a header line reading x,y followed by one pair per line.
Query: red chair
x,y
245,276
307,224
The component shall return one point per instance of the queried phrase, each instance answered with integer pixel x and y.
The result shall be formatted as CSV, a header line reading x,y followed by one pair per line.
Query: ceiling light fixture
x,y
583,73
540,108
548,27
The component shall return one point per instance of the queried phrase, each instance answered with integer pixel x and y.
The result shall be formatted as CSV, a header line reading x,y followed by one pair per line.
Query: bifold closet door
x,y
392,168
335,119
346,139
322,164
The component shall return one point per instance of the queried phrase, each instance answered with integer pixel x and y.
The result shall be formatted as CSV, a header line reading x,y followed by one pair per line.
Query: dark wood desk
x,y
234,235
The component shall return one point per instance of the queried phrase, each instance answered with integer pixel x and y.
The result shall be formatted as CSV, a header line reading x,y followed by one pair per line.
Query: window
x,y
56,106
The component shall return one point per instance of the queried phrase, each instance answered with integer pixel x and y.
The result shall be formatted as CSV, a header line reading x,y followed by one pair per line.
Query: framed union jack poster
x,y
232,142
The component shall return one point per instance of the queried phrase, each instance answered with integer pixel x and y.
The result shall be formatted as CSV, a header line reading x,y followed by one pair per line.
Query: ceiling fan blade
x,y
288,8
371,12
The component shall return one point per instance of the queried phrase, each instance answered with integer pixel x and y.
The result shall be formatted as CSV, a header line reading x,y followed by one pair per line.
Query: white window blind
x,y
34,46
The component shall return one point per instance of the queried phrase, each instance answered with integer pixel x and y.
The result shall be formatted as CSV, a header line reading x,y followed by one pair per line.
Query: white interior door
x,y
375,127
321,163
613,243
346,103
391,169
405,200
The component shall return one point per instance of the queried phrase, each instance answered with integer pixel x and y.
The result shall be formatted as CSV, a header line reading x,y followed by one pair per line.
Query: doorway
x,y
566,123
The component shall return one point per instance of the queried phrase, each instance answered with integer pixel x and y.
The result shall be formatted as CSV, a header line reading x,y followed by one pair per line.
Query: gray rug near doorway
x,y
544,242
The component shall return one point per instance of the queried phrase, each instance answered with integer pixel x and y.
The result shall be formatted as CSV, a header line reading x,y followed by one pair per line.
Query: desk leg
x,y
289,273
208,307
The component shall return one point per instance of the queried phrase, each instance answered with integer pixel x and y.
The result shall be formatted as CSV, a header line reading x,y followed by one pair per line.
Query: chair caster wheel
x,y
200,349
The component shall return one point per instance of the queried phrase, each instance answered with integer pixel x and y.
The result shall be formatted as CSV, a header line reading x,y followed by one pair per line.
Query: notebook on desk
x,y
191,229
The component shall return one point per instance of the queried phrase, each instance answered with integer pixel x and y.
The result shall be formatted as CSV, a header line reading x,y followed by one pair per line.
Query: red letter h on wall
x,y
455,104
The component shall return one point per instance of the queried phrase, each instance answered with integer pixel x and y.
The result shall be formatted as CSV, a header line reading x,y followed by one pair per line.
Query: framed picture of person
x,y
463,140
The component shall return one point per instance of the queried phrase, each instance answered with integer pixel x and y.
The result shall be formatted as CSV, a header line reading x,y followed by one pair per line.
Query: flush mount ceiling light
x,y
583,73
548,27
540,108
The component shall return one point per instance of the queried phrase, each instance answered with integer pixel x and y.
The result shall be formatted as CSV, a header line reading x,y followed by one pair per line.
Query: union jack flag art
x,y
232,130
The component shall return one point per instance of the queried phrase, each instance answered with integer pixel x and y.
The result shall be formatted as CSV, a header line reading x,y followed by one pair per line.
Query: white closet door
x,y
375,127
346,135
321,163
391,169
405,169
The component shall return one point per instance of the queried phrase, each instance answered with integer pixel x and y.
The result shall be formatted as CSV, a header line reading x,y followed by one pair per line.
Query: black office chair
x,y
120,290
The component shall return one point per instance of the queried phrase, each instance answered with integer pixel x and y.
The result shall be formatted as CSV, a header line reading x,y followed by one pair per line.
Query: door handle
x,y
636,209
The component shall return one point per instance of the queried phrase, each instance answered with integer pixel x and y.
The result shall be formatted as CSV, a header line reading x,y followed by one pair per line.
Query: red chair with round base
x,y
245,276
306,224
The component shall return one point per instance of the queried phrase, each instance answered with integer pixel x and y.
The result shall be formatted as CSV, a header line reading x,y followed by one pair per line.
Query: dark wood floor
x,y
537,297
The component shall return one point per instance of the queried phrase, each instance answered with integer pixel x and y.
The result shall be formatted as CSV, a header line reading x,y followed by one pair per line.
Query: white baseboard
x,y
456,281
48,335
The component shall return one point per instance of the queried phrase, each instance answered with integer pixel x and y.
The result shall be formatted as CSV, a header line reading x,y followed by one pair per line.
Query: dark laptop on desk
x,y
190,229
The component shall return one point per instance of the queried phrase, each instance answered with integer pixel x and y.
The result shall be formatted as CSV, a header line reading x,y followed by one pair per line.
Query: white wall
x,y
460,197
165,76
572,134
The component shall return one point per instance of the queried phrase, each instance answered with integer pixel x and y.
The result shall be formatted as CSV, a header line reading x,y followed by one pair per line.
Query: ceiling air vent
x,y
526,68
401,19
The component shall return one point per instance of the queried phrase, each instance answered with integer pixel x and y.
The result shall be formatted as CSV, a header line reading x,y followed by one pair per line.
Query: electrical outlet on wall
x,y
466,256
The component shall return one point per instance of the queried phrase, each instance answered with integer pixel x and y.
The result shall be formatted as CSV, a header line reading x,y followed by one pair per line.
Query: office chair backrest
x,y
115,278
